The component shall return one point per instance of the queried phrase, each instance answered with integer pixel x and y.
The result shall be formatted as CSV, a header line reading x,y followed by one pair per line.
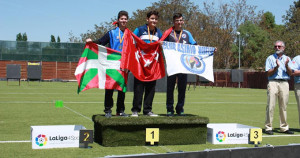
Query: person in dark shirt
x,y
178,35
148,33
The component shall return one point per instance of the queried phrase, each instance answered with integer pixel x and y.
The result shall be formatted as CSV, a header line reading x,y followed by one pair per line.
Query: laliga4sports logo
x,y
192,63
221,136
41,140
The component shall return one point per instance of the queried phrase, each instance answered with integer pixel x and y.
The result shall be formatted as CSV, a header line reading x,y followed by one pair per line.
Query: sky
x,y
42,18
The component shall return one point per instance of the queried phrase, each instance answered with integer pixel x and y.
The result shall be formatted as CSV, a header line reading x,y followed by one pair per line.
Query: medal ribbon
x,y
121,40
149,34
177,41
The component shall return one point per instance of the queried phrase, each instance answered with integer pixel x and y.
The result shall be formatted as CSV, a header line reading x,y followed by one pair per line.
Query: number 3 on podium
x,y
255,135
152,135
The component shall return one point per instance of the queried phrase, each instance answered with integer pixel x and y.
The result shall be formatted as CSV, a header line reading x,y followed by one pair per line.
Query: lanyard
x,y
121,40
179,36
149,34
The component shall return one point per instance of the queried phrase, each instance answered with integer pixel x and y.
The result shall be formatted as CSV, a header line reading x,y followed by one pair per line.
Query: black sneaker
x,y
270,132
288,132
122,114
108,115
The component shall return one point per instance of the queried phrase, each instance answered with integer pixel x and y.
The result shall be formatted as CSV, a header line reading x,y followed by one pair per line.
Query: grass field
x,y
34,104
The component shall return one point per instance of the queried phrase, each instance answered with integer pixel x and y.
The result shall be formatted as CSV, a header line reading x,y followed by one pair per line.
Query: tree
x,y
19,37
58,39
255,45
24,37
74,39
52,38
292,34
210,27
268,21
221,27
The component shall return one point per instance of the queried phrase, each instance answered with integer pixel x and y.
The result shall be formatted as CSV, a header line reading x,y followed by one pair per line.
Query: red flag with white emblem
x,y
144,60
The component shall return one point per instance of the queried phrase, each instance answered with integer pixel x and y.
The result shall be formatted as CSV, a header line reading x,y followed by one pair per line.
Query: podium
x,y
131,131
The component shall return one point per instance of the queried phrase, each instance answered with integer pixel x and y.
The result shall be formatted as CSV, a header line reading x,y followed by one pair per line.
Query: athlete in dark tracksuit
x,y
140,86
148,33
180,36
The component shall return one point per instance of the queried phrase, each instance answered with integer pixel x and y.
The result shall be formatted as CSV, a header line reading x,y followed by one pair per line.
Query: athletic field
x,y
33,104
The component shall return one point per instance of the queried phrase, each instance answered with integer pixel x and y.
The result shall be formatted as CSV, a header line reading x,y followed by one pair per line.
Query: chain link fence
x,y
40,51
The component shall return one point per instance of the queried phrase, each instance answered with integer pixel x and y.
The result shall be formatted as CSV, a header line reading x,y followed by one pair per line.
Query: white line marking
x,y
150,149
165,148
16,141
77,113
281,135
45,102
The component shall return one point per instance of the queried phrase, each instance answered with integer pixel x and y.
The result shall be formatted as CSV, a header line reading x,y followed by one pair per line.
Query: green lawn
x,y
34,104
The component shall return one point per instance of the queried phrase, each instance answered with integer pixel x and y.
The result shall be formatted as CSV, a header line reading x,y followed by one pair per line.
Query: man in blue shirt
x,y
114,38
278,72
178,35
296,74
148,33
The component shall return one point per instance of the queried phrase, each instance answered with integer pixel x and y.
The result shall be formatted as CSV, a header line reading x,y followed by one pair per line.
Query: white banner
x,y
189,59
55,136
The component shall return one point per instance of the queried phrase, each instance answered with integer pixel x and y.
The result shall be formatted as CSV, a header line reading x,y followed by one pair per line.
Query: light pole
x,y
239,34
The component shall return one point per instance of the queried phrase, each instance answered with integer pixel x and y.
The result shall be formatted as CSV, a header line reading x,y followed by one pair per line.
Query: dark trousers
x,y
109,101
139,88
181,84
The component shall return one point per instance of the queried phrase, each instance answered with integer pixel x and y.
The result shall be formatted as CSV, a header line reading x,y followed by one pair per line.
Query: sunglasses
x,y
278,46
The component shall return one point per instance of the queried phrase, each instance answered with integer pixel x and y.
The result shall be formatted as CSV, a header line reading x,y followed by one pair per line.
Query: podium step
x,y
131,131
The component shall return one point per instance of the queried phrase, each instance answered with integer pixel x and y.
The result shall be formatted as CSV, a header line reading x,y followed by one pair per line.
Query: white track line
x,y
150,149
281,135
16,141
48,102
165,148
77,113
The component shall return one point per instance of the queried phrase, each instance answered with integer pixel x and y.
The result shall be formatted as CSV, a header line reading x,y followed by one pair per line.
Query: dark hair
x,y
176,15
121,13
152,12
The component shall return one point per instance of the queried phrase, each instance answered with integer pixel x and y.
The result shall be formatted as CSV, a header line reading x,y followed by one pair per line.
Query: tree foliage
x,y
292,33
255,41
21,37
58,39
24,36
268,21
52,39
217,25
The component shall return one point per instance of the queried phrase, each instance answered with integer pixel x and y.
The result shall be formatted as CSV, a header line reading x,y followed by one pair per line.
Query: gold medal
x,y
120,39
149,34
177,41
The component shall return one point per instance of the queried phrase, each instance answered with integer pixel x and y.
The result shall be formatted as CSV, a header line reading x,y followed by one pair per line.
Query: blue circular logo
x,y
194,64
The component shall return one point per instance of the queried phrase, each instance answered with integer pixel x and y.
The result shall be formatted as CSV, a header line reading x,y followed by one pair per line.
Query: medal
x,y
120,39
177,41
149,34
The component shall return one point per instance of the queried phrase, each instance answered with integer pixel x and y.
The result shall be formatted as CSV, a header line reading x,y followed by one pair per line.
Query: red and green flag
x,y
99,67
